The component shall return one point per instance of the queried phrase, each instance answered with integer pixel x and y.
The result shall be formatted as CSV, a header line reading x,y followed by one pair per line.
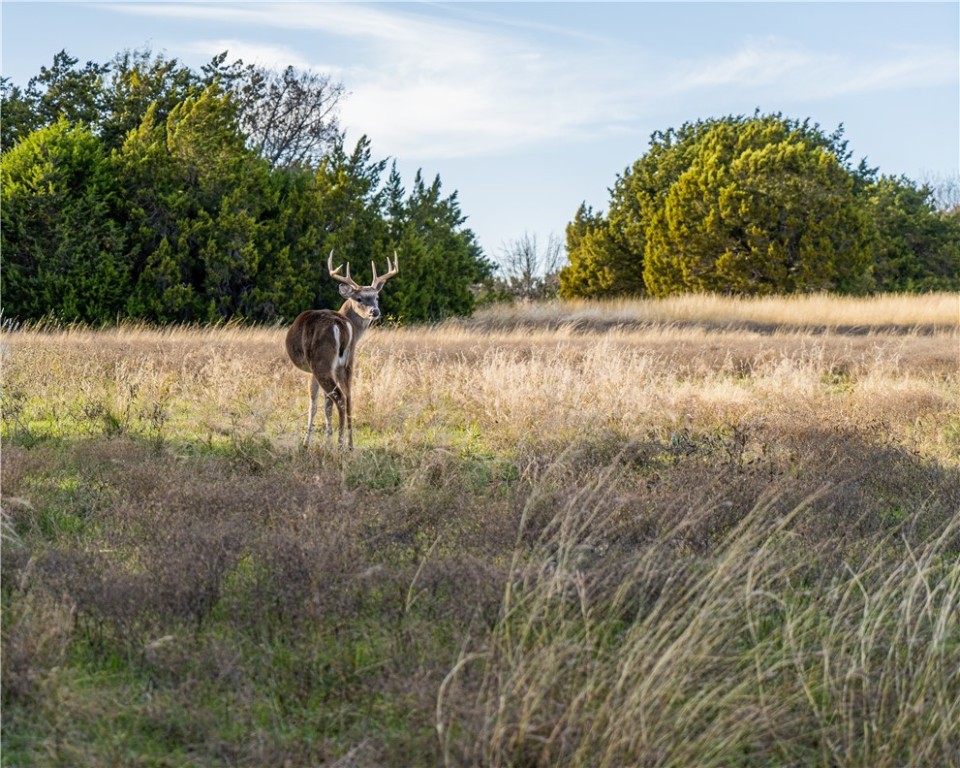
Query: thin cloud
x,y
429,86
275,57
798,72
757,63
903,69
471,83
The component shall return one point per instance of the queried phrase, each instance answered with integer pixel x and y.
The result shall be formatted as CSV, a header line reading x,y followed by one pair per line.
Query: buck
x,y
324,344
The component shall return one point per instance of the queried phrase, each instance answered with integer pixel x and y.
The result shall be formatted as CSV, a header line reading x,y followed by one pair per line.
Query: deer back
x,y
320,340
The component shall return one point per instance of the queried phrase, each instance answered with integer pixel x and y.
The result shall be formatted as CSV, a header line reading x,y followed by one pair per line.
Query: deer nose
x,y
375,313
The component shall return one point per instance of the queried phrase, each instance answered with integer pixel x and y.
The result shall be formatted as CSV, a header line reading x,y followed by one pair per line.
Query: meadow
x,y
697,531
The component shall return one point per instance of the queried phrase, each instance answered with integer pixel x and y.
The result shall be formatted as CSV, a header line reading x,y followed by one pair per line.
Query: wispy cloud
x,y
430,82
905,68
470,92
275,57
754,63
422,85
800,72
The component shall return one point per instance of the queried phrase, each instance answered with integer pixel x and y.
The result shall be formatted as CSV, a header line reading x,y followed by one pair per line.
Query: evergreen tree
x,y
440,258
61,90
19,117
140,80
64,253
760,209
763,204
591,271
607,258
917,246
199,196
153,197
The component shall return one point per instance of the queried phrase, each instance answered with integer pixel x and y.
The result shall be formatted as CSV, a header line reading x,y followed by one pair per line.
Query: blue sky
x,y
527,109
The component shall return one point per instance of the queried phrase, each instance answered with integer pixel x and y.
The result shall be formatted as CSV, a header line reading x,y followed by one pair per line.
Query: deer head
x,y
363,300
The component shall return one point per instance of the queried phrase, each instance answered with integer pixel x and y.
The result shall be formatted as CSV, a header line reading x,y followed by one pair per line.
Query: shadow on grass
x,y
258,606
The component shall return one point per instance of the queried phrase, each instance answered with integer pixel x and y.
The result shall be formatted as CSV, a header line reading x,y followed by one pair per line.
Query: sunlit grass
x,y
800,311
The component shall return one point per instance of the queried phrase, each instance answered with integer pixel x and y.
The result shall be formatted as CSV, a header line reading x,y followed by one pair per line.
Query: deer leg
x,y
347,410
312,410
348,407
338,396
328,413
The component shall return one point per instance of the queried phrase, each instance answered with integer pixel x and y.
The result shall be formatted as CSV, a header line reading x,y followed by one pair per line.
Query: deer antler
x,y
391,272
335,273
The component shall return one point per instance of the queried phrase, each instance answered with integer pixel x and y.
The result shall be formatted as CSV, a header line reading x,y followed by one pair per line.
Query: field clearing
x,y
807,312
699,531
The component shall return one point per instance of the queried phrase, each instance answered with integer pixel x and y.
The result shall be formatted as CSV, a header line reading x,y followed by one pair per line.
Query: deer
x,y
323,343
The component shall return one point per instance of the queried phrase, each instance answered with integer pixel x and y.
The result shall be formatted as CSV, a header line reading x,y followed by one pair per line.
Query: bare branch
x,y
529,272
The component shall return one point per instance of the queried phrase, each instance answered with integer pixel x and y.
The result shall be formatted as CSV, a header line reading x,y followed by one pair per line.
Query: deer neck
x,y
358,321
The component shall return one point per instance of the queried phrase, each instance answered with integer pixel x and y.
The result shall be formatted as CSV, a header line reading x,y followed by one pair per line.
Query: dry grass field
x,y
701,531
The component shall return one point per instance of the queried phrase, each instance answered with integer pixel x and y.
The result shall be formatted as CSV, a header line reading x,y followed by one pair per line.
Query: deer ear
x,y
346,291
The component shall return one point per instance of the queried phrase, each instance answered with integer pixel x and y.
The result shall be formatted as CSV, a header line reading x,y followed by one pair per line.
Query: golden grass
x,y
527,388
803,311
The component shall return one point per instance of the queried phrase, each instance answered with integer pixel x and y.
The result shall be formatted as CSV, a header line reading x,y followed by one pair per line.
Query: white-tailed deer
x,y
323,343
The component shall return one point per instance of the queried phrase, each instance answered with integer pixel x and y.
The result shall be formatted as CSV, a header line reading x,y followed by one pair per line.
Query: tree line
x,y
760,205
143,189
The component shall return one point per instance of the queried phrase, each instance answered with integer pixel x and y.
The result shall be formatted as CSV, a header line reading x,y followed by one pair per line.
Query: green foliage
x,y
759,210
918,248
441,259
64,252
590,272
19,119
138,82
202,255
163,195
606,253
60,91
754,206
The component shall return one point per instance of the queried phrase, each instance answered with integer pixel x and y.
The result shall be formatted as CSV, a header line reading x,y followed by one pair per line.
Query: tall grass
x,y
749,657
725,537
807,311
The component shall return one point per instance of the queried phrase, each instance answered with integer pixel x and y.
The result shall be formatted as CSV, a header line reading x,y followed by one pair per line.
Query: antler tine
x,y
335,273
391,272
